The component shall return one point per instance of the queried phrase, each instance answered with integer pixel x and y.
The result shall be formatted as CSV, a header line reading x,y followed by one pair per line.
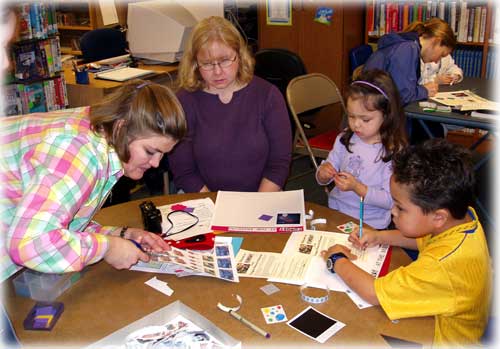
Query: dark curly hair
x,y
439,174
393,130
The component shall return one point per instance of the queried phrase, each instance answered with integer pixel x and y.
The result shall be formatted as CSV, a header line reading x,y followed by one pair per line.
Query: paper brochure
x,y
300,262
465,100
259,212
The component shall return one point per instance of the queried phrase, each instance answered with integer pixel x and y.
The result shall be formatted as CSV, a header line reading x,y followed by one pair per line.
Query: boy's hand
x,y
447,79
326,172
369,238
336,249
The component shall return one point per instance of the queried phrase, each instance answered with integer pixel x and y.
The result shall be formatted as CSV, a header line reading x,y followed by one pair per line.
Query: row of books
x,y
495,26
42,96
37,20
492,64
37,59
467,20
469,60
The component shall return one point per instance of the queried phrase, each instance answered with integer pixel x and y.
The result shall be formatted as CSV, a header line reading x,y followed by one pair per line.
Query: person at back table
x,y
432,188
360,162
399,54
239,134
445,72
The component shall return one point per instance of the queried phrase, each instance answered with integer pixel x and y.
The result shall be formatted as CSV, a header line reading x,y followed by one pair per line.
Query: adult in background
x,y
238,126
399,54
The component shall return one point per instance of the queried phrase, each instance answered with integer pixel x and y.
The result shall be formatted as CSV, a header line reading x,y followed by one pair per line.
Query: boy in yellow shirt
x,y
432,187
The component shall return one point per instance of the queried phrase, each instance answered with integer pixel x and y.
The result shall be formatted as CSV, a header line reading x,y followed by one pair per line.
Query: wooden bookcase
x,y
75,18
483,46
34,82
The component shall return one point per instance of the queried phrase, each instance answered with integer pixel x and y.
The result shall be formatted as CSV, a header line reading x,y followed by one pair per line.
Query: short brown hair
x,y
146,109
434,28
208,30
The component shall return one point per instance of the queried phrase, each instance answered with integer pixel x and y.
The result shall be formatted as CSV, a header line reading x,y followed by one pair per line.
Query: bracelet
x,y
314,300
122,232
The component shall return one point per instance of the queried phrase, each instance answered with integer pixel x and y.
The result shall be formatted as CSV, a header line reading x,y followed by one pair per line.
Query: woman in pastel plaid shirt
x,y
57,169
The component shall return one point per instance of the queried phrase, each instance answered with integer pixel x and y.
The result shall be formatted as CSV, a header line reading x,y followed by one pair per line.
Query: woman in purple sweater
x,y
239,135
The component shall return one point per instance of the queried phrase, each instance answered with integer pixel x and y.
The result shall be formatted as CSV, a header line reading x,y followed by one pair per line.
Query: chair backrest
x,y
279,66
309,92
103,43
359,55
312,91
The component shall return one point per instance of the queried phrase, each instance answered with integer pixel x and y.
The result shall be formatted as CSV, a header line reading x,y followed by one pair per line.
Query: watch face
x,y
329,264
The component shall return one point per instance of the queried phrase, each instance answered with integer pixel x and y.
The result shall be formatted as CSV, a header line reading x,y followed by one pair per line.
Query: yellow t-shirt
x,y
451,279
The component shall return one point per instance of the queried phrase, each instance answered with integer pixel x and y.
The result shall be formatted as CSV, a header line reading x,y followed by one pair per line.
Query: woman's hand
x,y
122,254
148,241
326,172
369,238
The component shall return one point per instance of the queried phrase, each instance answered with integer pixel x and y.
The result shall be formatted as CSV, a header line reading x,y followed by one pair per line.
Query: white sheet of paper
x,y
243,211
108,12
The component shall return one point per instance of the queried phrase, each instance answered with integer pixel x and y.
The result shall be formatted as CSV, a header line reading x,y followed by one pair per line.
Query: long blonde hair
x,y
208,30
434,28
144,109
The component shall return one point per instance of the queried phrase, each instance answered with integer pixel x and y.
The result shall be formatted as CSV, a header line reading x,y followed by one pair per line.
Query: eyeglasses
x,y
225,63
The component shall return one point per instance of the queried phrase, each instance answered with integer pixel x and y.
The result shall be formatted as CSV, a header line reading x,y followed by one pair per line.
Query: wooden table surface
x,y
106,299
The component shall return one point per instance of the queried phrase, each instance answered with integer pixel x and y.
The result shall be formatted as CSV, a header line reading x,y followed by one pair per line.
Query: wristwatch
x,y
330,262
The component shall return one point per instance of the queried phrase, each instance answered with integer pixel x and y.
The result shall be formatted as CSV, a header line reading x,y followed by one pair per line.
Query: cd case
x,y
173,326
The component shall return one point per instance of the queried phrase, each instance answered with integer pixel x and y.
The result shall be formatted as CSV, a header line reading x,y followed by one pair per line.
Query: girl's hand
x,y
369,238
122,254
345,181
336,249
326,172
148,241
432,88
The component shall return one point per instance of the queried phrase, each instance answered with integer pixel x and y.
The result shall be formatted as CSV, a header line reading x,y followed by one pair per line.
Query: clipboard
x,y
122,74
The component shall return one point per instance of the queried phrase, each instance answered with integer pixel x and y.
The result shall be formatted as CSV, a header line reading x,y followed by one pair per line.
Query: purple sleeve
x,y
381,196
404,63
181,159
278,130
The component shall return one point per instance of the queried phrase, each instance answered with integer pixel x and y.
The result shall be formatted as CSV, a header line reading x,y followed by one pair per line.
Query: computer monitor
x,y
159,29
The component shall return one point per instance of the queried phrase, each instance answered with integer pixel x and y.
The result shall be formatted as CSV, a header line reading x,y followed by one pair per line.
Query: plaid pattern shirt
x,y
55,174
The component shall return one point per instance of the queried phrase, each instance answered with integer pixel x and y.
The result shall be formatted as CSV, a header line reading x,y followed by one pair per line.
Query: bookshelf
x,y
472,21
75,18
34,83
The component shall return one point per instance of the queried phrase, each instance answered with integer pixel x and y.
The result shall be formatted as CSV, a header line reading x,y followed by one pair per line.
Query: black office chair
x,y
103,43
359,55
279,66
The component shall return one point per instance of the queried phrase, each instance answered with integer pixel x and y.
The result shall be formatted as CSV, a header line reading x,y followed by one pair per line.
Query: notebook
x,y
122,74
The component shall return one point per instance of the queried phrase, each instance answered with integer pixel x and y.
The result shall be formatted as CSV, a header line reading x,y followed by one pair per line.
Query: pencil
x,y
249,324
361,211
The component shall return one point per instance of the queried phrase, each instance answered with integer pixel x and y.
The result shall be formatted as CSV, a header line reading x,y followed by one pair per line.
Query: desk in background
x,y
83,95
106,300
483,88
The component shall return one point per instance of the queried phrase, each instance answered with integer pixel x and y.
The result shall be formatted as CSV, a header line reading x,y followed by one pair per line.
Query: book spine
x,y
369,17
470,27
453,16
382,18
482,29
477,25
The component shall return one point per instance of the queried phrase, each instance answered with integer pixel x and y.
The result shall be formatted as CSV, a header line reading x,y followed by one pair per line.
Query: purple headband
x,y
143,84
371,85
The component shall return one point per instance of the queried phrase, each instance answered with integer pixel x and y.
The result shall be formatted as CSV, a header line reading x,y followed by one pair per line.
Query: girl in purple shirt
x,y
239,135
360,161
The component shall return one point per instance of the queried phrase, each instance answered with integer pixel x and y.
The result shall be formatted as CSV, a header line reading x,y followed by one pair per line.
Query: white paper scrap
x,y
160,286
